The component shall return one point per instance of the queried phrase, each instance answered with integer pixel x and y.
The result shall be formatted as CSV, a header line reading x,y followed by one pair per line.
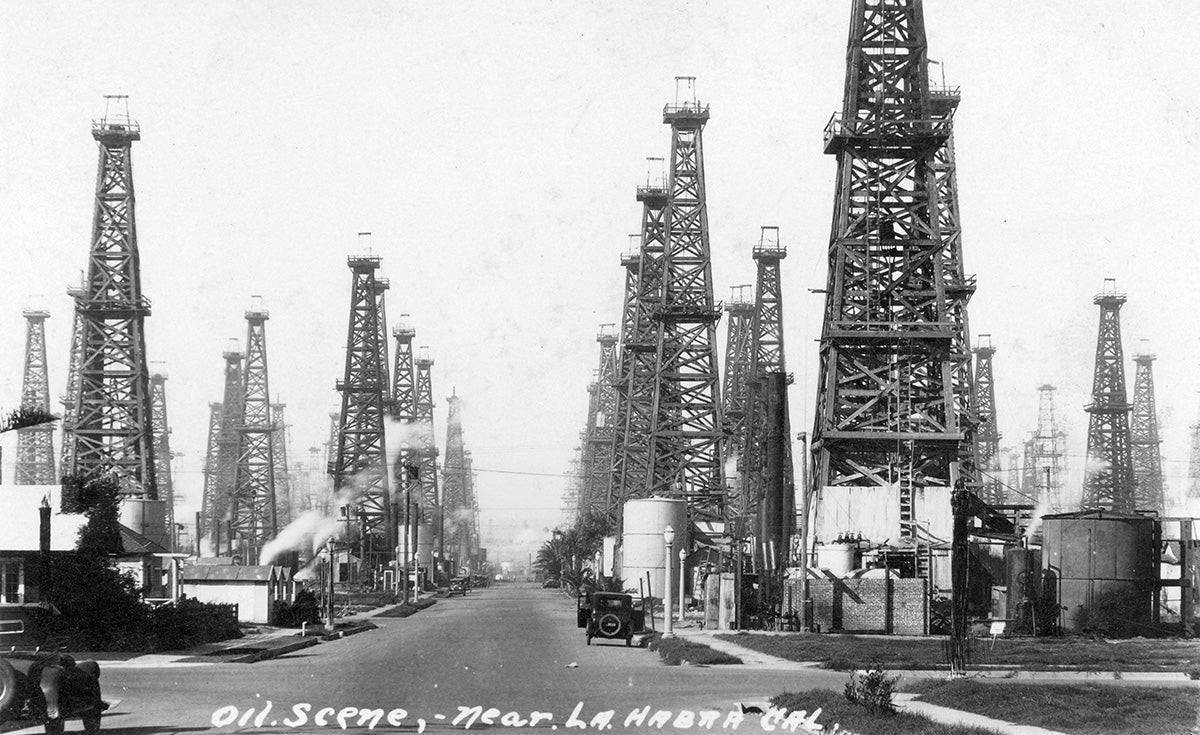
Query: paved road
x,y
508,647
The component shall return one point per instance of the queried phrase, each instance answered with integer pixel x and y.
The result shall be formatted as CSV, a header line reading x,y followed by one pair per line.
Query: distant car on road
x,y
459,586
608,615
49,688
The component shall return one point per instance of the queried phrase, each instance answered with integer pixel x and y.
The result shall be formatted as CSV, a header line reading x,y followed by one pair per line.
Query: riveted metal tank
x,y
1102,566
642,546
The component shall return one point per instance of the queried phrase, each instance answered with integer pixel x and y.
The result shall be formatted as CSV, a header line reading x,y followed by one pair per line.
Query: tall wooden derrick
x,y
427,451
1144,441
161,430
455,503
584,500
381,289
220,472
892,391
631,261
1045,464
992,490
770,451
286,503
403,411
1108,475
35,444
639,341
598,439
211,504
361,461
687,432
252,510
70,398
111,430
739,362
472,506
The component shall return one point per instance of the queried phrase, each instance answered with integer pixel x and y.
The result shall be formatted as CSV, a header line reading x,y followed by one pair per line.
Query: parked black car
x,y
49,688
608,615
459,586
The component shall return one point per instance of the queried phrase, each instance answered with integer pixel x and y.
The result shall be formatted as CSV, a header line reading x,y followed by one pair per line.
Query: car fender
x,y
51,688
8,688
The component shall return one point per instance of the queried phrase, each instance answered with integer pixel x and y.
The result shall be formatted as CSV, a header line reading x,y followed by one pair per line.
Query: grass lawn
x,y
675,651
404,609
1045,654
854,718
1087,709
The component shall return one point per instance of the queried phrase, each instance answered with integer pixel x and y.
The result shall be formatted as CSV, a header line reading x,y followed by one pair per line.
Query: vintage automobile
x,y
50,688
608,615
459,586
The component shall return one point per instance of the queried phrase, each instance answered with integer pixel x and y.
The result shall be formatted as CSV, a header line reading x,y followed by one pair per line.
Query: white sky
x,y
493,150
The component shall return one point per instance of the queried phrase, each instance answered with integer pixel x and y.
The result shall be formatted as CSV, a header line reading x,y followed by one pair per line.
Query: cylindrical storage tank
x,y
837,558
1023,575
147,517
642,547
1101,567
425,544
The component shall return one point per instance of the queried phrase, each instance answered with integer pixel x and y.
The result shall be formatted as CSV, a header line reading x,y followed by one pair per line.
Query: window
x,y
12,580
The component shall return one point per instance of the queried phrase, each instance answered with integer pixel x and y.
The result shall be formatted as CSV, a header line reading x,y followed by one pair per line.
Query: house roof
x,y
133,542
21,521
234,573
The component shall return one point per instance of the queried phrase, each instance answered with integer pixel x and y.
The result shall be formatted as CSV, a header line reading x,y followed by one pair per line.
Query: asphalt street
x,y
509,648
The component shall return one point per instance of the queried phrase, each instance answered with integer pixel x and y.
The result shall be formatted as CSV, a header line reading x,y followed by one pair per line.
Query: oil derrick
x,y
221,473
471,508
687,431
360,460
111,432
161,431
35,444
1144,442
211,504
1108,475
598,439
639,343
1044,451
769,486
252,509
286,506
892,385
988,434
381,288
739,360
402,408
456,503
70,398
584,501
427,451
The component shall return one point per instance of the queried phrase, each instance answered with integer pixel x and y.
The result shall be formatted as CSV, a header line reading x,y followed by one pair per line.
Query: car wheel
x,y
8,688
54,726
91,725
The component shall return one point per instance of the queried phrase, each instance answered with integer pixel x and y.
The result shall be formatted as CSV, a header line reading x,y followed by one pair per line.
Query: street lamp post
x,y
669,539
682,573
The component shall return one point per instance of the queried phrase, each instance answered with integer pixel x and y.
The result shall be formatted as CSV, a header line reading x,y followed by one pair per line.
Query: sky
x,y
493,150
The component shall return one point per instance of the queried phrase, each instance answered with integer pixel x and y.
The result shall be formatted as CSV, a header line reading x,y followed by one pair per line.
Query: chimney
x,y
44,526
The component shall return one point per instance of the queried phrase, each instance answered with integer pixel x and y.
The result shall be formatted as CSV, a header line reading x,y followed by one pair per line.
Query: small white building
x,y
254,589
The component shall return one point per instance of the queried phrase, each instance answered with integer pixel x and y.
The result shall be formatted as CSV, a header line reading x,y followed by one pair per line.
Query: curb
x,y
269,653
360,628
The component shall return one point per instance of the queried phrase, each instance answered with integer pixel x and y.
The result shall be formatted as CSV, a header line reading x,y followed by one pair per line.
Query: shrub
x,y
1114,614
873,689
295,614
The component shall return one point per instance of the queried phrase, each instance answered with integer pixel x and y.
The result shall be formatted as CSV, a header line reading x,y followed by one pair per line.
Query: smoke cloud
x,y
310,531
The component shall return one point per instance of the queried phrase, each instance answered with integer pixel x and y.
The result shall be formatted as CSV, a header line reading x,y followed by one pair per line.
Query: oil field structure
x,y
900,517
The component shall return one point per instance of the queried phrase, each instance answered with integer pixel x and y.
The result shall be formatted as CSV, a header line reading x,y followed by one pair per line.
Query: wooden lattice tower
x,y
889,410
403,411
111,430
212,505
773,502
1144,440
286,505
35,444
361,460
70,397
221,476
687,433
639,341
631,261
992,490
598,436
427,451
1108,475
381,288
162,450
739,362
253,508
456,503
1046,449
